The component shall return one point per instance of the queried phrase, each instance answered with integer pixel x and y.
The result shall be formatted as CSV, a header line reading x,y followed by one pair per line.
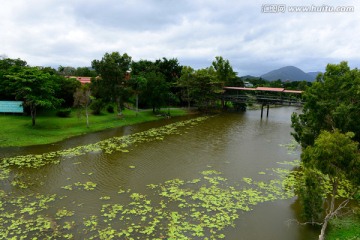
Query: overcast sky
x,y
75,32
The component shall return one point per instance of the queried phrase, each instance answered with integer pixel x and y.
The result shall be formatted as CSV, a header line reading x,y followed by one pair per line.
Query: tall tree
x,y
85,72
36,88
170,68
185,82
336,156
333,101
224,71
113,69
138,85
82,100
205,88
67,88
157,90
67,71
9,66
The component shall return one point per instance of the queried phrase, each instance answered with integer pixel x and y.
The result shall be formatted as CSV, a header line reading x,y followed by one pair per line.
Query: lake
x,y
212,177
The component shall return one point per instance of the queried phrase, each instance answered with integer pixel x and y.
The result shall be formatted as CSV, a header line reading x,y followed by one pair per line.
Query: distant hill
x,y
290,73
313,74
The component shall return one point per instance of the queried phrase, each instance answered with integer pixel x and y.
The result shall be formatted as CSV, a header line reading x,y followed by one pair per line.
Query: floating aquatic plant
x,y
199,208
108,146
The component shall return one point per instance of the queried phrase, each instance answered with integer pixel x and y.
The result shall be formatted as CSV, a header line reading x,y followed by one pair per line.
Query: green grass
x,y
18,131
347,228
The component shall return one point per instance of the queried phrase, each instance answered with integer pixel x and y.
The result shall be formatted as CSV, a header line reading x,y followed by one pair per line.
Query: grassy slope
x,y
344,229
17,130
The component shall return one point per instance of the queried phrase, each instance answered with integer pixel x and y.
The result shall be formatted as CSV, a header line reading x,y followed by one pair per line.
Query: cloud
x,y
49,32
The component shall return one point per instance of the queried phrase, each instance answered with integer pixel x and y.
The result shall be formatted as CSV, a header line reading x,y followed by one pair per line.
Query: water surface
x,y
238,145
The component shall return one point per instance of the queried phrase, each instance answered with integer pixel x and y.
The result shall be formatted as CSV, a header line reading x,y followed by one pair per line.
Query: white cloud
x,y
49,32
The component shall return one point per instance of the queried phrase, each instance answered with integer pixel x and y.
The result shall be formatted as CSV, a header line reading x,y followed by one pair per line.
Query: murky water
x,y
236,144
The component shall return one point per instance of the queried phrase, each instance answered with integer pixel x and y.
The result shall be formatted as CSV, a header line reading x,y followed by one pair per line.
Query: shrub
x,y
96,106
110,109
64,113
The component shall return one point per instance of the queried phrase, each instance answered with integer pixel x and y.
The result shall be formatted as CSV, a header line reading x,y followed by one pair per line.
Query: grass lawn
x,y
49,128
347,228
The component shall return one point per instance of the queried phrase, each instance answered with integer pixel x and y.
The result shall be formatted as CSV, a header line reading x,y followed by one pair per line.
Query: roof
x,y
267,89
270,89
293,91
83,80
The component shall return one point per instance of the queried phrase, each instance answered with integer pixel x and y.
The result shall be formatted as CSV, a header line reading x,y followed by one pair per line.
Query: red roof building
x,y
83,80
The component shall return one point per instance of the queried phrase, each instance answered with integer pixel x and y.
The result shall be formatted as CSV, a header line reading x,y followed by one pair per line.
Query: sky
x,y
255,36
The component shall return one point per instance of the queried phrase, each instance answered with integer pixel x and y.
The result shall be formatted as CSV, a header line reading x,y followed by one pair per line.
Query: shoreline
x,y
50,129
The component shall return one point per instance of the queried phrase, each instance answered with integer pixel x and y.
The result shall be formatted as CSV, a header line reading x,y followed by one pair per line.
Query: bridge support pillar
x,y
267,110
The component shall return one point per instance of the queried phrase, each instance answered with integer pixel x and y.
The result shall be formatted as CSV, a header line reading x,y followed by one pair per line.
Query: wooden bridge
x,y
265,96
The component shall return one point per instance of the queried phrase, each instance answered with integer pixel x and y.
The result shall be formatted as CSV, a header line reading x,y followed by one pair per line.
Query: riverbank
x,y
346,228
17,130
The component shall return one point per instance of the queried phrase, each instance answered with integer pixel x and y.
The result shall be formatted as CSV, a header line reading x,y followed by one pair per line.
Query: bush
x,y
96,106
110,109
64,113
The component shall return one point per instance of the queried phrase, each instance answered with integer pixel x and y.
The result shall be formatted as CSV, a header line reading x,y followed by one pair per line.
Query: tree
x,y
67,89
113,69
156,92
171,69
224,71
35,88
82,100
67,71
333,101
9,66
185,82
205,88
85,72
336,156
138,85
330,112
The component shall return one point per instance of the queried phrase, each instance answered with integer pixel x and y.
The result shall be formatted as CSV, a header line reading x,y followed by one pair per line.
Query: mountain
x,y
313,74
289,73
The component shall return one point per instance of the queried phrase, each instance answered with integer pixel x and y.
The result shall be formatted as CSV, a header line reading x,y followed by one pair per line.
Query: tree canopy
x,y
328,130
113,68
36,88
332,102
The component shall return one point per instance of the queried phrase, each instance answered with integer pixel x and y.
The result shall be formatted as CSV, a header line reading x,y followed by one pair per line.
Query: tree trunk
x,y
137,104
330,214
33,113
87,116
188,97
118,103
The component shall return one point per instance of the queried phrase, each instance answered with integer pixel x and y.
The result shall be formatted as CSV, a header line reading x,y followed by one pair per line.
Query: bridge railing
x,y
263,99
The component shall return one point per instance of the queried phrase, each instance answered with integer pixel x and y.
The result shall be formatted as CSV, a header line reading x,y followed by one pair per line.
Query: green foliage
x,y
344,228
64,113
97,106
111,87
225,73
156,92
110,109
333,101
67,88
7,67
335,155
310,191
36,88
